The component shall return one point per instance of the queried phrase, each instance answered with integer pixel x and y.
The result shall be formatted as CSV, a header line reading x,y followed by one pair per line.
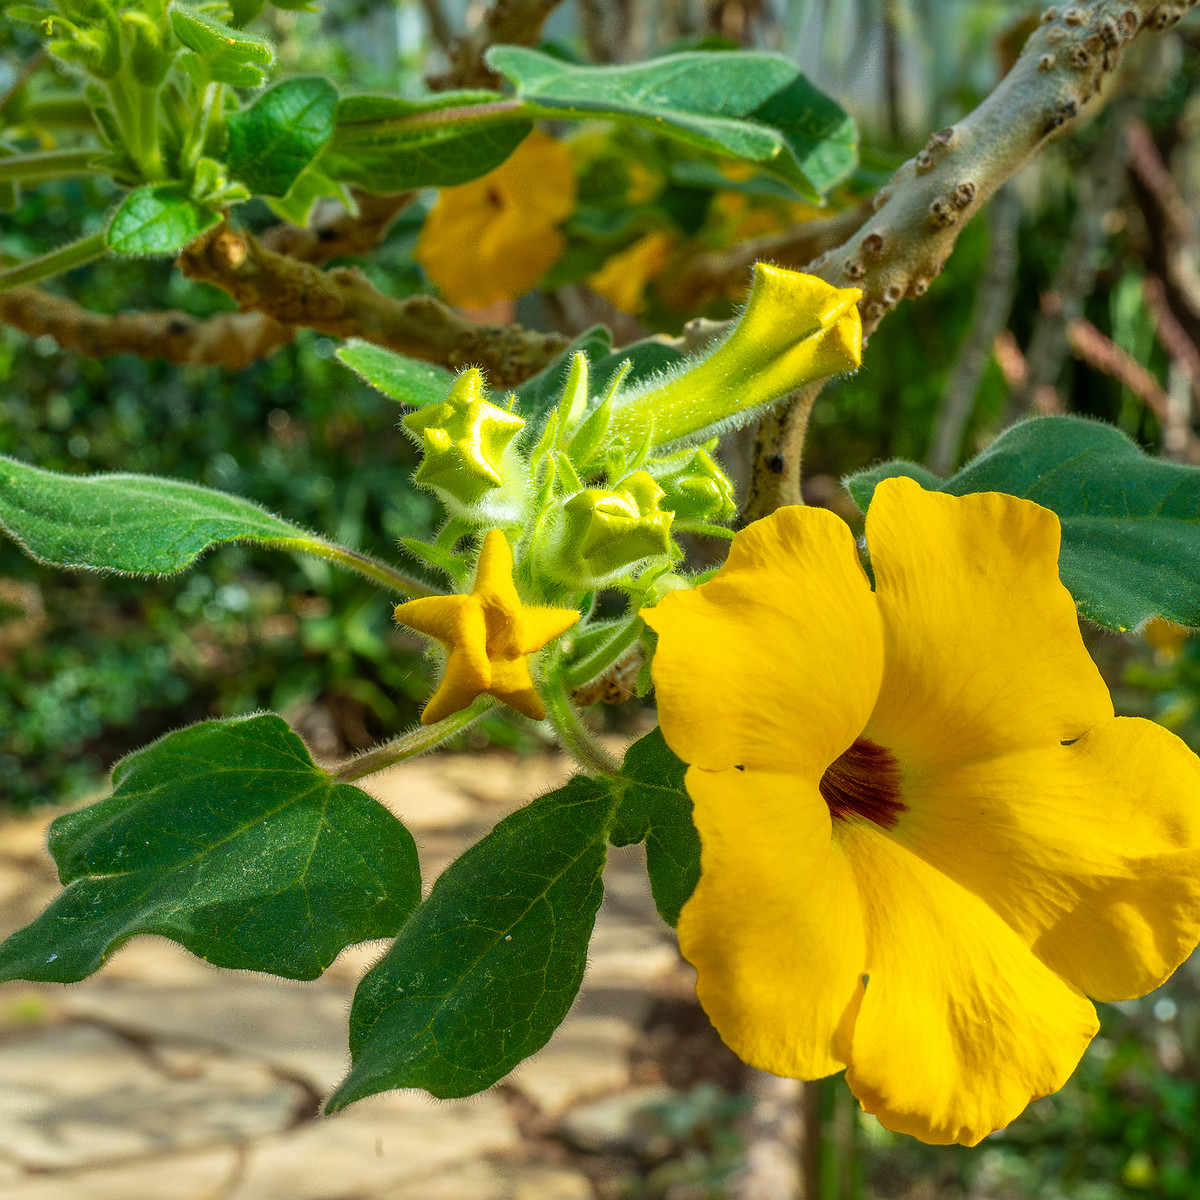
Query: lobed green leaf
x,y
280,134
486,968
655,808
1130,523
227,838
132,523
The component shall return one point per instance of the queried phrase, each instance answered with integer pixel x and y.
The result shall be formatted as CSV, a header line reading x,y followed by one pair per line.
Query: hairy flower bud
x,y
695,487
470,460
602,532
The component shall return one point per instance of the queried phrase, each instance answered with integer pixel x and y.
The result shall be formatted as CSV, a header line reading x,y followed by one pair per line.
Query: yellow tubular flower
x,y
487,634
924,834
495,237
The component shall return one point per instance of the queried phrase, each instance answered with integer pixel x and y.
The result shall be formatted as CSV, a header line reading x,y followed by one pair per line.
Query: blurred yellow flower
x,y
925,837
495,237
623,278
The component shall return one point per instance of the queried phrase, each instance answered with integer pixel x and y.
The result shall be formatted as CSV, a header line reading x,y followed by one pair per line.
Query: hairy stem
x,y
46,164
409,745
573,734
389,577
63,259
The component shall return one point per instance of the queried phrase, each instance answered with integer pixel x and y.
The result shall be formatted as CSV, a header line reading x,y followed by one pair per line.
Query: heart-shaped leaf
x,y
227,838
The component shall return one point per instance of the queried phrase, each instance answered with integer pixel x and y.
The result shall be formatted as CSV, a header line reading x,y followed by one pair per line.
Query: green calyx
x,y
603,532
694,486
470,460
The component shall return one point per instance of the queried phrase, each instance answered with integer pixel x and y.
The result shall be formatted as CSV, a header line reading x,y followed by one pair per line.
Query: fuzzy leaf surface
x,y
741,103
655,808
227,838
486,968
408,380
390,144
158,219
132,523
280,134
1130,523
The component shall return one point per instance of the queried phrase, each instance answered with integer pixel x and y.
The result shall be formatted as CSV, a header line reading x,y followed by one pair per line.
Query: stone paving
x,y
161,1078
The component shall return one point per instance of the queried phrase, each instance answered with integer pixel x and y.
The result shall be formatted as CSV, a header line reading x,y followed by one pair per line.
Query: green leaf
x,y
229,55
741,103
158,219
486,968
280,134
542,392
1130,523
132,523
389,144
656,808
408,380
227,838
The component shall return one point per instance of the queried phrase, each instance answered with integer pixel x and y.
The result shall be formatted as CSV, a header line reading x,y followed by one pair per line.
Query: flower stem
x,y
47,164
604,656
409,745
574,736
63,259
388,576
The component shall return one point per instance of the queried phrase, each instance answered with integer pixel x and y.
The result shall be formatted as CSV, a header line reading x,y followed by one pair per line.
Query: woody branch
x,y
920,212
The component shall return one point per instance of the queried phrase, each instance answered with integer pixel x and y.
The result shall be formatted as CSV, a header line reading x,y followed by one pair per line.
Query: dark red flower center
x,y
864,782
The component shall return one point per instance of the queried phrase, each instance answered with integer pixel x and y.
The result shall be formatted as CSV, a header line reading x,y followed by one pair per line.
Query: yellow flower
x,y
924,834
623,278
495,237
487,634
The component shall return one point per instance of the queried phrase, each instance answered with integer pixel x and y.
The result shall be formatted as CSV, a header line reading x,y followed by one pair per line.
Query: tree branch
x,y
334,232
509,22
229,340
921,211
343,303
718,272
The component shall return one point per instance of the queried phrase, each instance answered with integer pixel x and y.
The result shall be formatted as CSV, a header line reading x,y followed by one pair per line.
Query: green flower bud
x,y
795,329
470,460
602,532
695,487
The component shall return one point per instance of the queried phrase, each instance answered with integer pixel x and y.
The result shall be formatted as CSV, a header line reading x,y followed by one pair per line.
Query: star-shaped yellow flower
x,y
487,635
925,838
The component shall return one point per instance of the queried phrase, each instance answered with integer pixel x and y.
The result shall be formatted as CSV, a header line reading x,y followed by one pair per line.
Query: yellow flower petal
x,y
983,649
777,661
1090,851
769,871
488,635
495,237
960,1026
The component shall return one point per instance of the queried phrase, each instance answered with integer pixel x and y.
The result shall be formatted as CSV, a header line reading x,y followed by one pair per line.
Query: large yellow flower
x,y
495,237
924,834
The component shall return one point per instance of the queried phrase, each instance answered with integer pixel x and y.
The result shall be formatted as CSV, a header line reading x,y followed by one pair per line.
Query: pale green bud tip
x,y
608,529
695,487
464,441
